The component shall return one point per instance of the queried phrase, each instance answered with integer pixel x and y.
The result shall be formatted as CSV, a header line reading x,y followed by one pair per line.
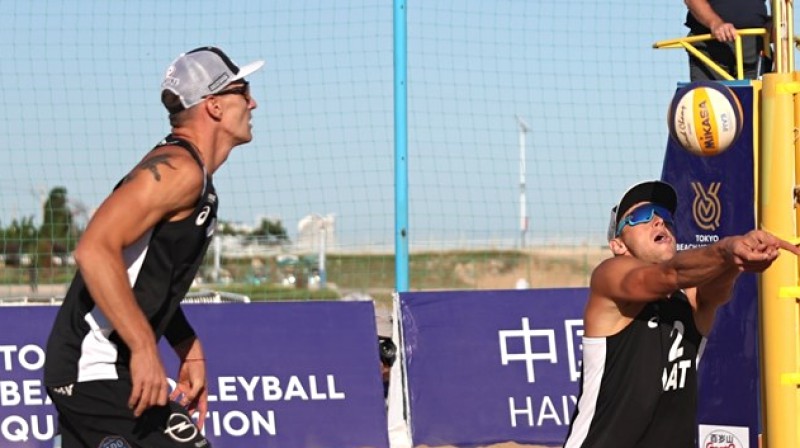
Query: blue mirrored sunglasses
x,y
644,214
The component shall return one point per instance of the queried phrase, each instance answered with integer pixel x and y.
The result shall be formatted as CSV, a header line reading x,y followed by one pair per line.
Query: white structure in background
x,y
316,233
311,230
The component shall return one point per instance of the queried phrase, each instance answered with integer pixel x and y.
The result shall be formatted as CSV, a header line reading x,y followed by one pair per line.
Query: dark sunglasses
x,y
644,214
240,89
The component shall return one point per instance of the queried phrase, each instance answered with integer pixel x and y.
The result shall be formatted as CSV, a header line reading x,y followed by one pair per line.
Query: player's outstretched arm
x,y
625,278
753,252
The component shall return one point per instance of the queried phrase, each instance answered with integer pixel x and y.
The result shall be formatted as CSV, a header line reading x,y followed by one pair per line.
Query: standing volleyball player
x,y
136,261
649,310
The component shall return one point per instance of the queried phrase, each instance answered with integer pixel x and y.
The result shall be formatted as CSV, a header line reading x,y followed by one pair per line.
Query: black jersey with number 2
x,y
639,386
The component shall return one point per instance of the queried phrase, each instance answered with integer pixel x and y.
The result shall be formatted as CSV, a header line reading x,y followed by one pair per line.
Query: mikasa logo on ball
x,y
705,118
707,134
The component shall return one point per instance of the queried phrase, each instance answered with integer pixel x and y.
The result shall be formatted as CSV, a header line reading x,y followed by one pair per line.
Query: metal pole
x,y
217,257
400,146
323,234
523,212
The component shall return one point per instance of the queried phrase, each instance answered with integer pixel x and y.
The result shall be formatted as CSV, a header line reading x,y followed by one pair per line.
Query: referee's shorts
x,y
95,414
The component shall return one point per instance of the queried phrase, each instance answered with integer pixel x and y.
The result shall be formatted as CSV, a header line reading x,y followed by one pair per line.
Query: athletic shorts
x,y
95,414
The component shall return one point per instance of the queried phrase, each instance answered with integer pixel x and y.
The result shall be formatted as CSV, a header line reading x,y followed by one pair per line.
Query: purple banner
x,y
27,417
717,199
491,366
280,375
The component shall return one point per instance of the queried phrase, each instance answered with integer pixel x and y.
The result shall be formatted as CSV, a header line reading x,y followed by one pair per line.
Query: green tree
x,y
268,231
57,227
271,231
18,239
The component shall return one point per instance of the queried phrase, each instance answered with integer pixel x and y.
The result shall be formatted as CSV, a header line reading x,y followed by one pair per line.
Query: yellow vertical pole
x,y
796,78
794,344
778,316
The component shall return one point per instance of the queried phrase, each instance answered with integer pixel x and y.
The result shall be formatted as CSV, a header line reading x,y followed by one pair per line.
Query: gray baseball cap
x,y
202,72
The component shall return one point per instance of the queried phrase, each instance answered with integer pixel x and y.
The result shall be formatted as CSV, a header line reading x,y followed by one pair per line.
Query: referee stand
x,y
777,207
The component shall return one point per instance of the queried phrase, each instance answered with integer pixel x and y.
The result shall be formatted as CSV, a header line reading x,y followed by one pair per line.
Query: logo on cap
x,y
220,81
170,80
706,207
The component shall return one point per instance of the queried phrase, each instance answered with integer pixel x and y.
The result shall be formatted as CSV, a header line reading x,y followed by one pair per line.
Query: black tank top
x,y
741,13
639,386
161,266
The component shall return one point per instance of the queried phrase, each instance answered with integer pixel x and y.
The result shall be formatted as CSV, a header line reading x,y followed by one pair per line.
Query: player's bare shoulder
x,y
608,275
155,165
605,314
167,164
608,271
168,174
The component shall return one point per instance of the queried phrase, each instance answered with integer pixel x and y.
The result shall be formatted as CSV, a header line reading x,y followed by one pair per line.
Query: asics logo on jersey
x,y
203,215
180,428
652,322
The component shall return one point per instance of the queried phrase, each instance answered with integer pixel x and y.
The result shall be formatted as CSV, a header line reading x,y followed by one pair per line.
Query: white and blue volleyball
x,y
705,118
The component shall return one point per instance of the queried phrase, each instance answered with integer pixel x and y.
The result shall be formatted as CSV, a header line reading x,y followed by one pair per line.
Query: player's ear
x,y
213,107
617,246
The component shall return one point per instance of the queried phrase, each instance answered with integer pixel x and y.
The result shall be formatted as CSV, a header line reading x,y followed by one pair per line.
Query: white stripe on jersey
x,y
98,353
134,254
594,362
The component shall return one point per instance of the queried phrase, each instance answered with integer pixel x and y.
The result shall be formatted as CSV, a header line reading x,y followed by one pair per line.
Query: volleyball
x,y
705,118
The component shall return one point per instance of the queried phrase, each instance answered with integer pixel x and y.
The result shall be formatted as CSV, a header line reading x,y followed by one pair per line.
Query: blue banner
x,y
717,199
280,375
490,366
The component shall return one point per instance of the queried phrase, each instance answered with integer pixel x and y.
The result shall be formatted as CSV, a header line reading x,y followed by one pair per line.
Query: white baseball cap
x,y
201,72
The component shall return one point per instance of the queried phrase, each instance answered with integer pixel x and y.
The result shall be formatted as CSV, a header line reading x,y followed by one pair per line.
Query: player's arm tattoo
x,y
151,165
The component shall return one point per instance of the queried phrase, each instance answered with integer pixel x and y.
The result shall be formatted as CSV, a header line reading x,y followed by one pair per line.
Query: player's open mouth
x,y
661,238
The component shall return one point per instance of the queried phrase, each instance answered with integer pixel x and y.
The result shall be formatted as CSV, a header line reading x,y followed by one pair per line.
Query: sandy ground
x,y
545,268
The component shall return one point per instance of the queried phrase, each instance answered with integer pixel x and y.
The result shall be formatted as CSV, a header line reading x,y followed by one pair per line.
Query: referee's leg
x,y
95,414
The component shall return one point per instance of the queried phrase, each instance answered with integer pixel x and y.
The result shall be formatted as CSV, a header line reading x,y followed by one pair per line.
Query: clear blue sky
x,y
81,107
